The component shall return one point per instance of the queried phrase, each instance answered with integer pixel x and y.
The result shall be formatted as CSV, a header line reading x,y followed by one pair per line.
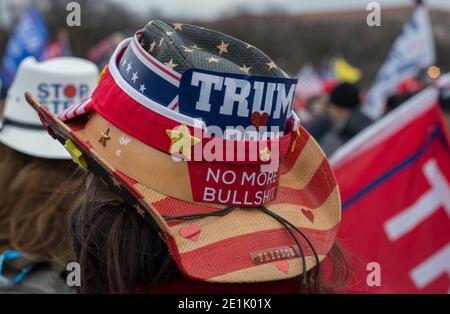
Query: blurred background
x,y
292,32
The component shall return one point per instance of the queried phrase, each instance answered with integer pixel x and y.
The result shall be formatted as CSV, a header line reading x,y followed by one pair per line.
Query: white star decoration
x,y
135,77
124,61
124,140
152,46
213,60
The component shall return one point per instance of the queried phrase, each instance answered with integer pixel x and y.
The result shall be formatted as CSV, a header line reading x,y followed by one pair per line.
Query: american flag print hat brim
x,y
223,221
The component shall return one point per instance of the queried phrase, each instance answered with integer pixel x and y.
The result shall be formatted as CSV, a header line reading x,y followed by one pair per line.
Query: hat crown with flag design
x,y
200,47
169,53
58,84
226,215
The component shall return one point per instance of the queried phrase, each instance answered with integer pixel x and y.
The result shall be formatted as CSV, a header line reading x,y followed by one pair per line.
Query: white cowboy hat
x,y
58,83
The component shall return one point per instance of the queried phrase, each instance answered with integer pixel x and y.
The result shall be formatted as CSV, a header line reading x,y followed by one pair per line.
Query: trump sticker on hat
x,y
228,100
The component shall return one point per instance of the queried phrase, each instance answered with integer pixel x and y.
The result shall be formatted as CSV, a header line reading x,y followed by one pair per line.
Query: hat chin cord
x,y
306,278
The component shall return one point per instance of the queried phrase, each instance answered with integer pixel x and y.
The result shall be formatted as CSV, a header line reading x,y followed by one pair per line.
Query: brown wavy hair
x,y
121,252
35,198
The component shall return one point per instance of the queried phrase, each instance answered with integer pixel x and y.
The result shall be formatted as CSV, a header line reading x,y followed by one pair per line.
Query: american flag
x,y
309,83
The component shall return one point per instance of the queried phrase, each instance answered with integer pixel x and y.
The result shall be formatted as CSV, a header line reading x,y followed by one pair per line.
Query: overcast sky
x,y
209,9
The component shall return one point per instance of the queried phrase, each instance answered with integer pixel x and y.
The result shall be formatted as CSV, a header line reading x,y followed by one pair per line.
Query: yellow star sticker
x,y
178,26
213,60
161,41
76,154
186,49
152,46
245,69
194,46
223,47
170,64
264,154
181,141
249,46
271,65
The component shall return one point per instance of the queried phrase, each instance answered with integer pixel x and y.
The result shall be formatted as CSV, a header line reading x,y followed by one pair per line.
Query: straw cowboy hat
x,y
58,84
196,129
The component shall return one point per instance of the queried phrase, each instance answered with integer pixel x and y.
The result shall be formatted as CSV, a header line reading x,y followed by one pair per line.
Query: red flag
x,y
101,52
59,47
54,49
395,185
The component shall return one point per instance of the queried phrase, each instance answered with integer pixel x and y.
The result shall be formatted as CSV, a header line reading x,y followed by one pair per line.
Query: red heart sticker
x,y
191,232
283,266
308,214
259,120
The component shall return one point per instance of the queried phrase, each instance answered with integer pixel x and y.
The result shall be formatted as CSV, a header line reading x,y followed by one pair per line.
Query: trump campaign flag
x,y
29,39
412,51
394,180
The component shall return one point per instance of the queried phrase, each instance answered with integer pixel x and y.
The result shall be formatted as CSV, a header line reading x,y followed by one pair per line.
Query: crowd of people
x,y
336,116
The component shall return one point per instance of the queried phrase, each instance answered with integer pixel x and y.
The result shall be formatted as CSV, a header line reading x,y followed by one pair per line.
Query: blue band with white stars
x,y
226,100
146,75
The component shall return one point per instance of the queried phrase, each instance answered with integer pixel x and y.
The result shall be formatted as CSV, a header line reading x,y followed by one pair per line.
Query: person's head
x,y
118,250
35,197
36,183
176,194
122,252
344,98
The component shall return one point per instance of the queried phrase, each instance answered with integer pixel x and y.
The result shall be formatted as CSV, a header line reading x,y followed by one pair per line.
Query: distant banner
x,y
394,180
53,50
101,52
345,72
57,48
413,50
309,83
29,39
